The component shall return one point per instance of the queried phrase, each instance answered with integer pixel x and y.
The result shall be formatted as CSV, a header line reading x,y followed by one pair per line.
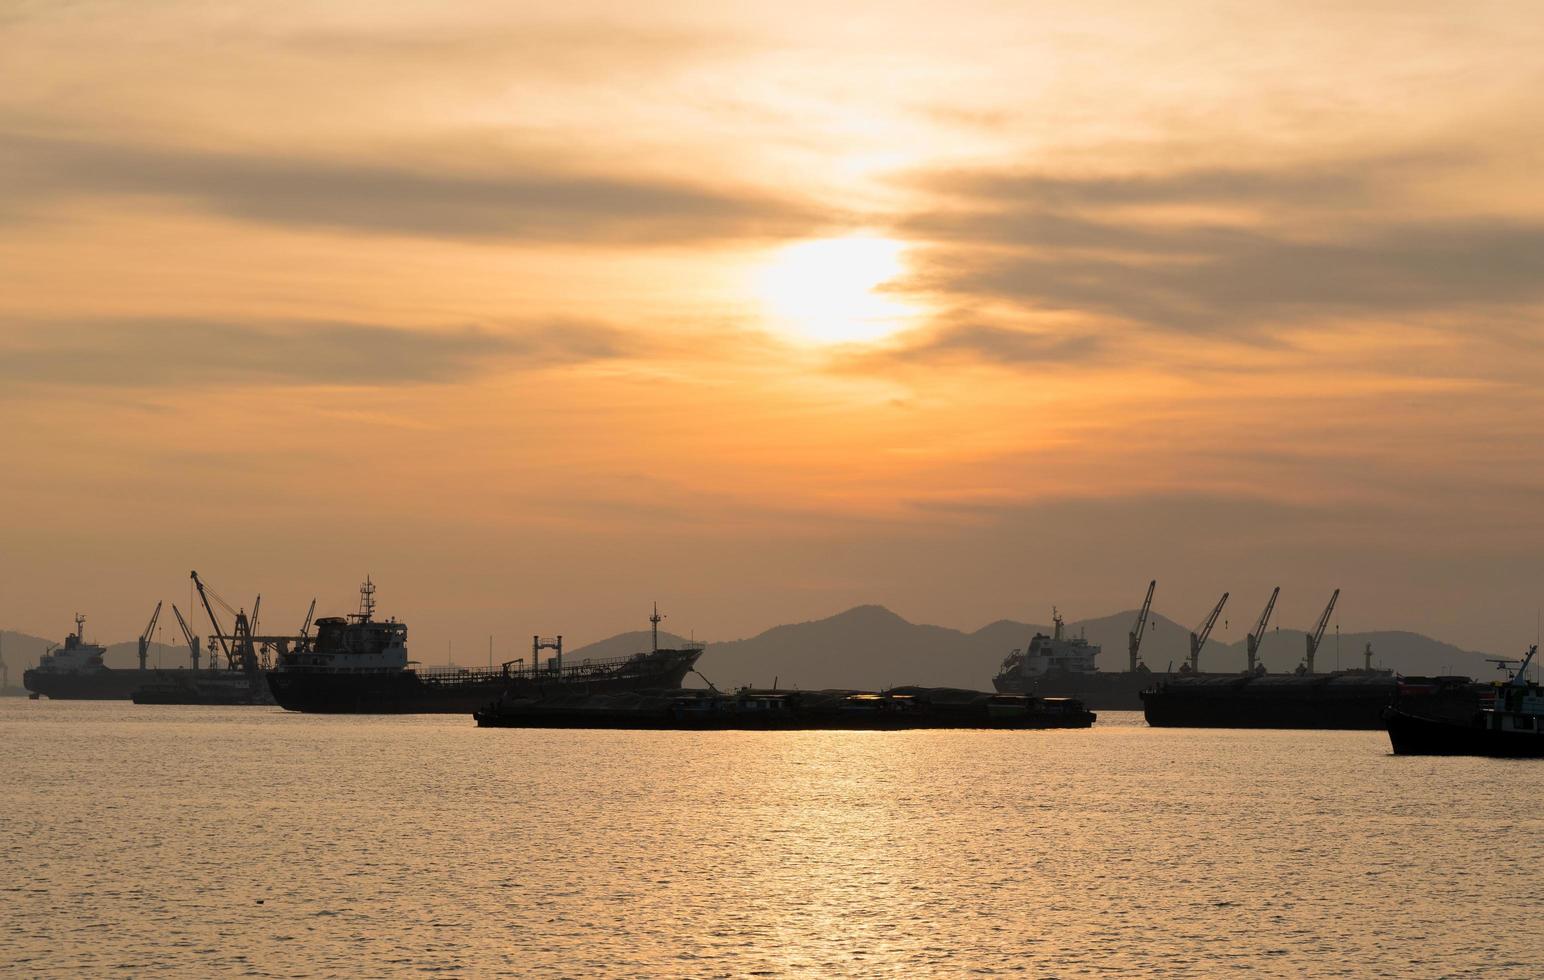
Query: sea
x,y
210,842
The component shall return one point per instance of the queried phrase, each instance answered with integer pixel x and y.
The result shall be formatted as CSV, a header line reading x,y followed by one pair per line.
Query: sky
x,y
540,313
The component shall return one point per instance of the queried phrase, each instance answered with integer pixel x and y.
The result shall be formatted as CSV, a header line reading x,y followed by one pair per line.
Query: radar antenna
x,y
366,601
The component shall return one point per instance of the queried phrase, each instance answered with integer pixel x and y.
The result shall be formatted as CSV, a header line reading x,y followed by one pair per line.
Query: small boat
x,y
1512,729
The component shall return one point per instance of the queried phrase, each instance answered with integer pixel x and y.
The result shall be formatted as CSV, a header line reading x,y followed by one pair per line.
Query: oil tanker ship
x,y
358,664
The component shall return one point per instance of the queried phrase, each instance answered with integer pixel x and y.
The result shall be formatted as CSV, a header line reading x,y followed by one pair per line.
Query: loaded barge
x,y
898,709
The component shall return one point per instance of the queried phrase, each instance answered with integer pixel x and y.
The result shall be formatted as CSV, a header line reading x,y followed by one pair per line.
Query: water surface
x,y
250,841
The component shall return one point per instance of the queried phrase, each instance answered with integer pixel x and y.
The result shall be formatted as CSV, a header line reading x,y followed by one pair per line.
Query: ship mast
x,y
654,621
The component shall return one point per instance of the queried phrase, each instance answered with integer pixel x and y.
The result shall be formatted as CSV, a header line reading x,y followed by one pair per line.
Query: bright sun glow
x,y
828,290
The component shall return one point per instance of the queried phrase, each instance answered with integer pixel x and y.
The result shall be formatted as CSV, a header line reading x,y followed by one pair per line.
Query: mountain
x,y
871,647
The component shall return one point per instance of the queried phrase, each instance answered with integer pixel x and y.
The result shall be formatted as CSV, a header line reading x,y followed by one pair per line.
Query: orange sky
x,y
538,314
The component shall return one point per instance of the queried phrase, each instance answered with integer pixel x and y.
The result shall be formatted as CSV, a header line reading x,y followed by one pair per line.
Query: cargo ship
x,y
1512,727
1065,666
1345,699
358,664
75,672
898,709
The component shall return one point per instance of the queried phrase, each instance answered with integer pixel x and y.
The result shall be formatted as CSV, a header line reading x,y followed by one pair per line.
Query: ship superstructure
x,y
1054,654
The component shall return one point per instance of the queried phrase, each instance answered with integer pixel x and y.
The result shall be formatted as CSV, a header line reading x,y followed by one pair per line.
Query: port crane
x,y
1199,637
144,638
187,634
244,647
1134,638
1252,642
1317,636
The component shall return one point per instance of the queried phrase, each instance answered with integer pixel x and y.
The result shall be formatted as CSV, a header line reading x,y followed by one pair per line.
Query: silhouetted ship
x,y
1512,728
1344,699
1064,666
212,687
358,664
75,671
898,709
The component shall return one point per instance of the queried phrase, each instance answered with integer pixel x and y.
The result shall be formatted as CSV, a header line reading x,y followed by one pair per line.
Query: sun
x,y
827,290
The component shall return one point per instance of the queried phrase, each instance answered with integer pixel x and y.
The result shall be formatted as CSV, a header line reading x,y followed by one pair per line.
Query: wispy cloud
x,y
509,196
1295,245
192,353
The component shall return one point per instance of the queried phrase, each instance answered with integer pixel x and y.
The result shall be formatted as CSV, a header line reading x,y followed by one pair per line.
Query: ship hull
x,y
1311,702
96,685
1098,690
408,692
208,688
787,711
1412,734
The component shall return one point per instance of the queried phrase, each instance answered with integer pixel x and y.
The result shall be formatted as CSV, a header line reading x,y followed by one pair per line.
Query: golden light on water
x,y
831,290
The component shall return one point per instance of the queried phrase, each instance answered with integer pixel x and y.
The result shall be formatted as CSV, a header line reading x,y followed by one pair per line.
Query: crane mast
x,y
144,638
1252,642
1199,637
1317,636
1134,638
187,634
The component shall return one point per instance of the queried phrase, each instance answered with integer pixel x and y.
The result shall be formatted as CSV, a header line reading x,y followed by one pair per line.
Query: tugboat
x,y
1512,729
358,664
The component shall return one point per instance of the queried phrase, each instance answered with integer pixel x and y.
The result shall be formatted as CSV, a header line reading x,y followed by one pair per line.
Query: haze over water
x,y
214,841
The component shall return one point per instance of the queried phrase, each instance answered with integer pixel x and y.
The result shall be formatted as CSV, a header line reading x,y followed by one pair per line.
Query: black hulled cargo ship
x,y
1512,728
1346,699
898,709
357,664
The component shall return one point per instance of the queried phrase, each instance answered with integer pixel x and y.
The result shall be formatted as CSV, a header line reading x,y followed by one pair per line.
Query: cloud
x,y
192,353
518,198
992,344
1302,245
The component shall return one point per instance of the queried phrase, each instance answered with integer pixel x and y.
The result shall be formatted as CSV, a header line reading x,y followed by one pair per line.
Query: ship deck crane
x,y
1317,636
1252,642
1199,637
144,638
187,634
1134,638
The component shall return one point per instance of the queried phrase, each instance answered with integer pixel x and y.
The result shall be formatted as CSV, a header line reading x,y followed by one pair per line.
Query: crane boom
x,y
1252,642
1134,638
305,628
1318,634
187,634
213,620
144,638
1199,637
